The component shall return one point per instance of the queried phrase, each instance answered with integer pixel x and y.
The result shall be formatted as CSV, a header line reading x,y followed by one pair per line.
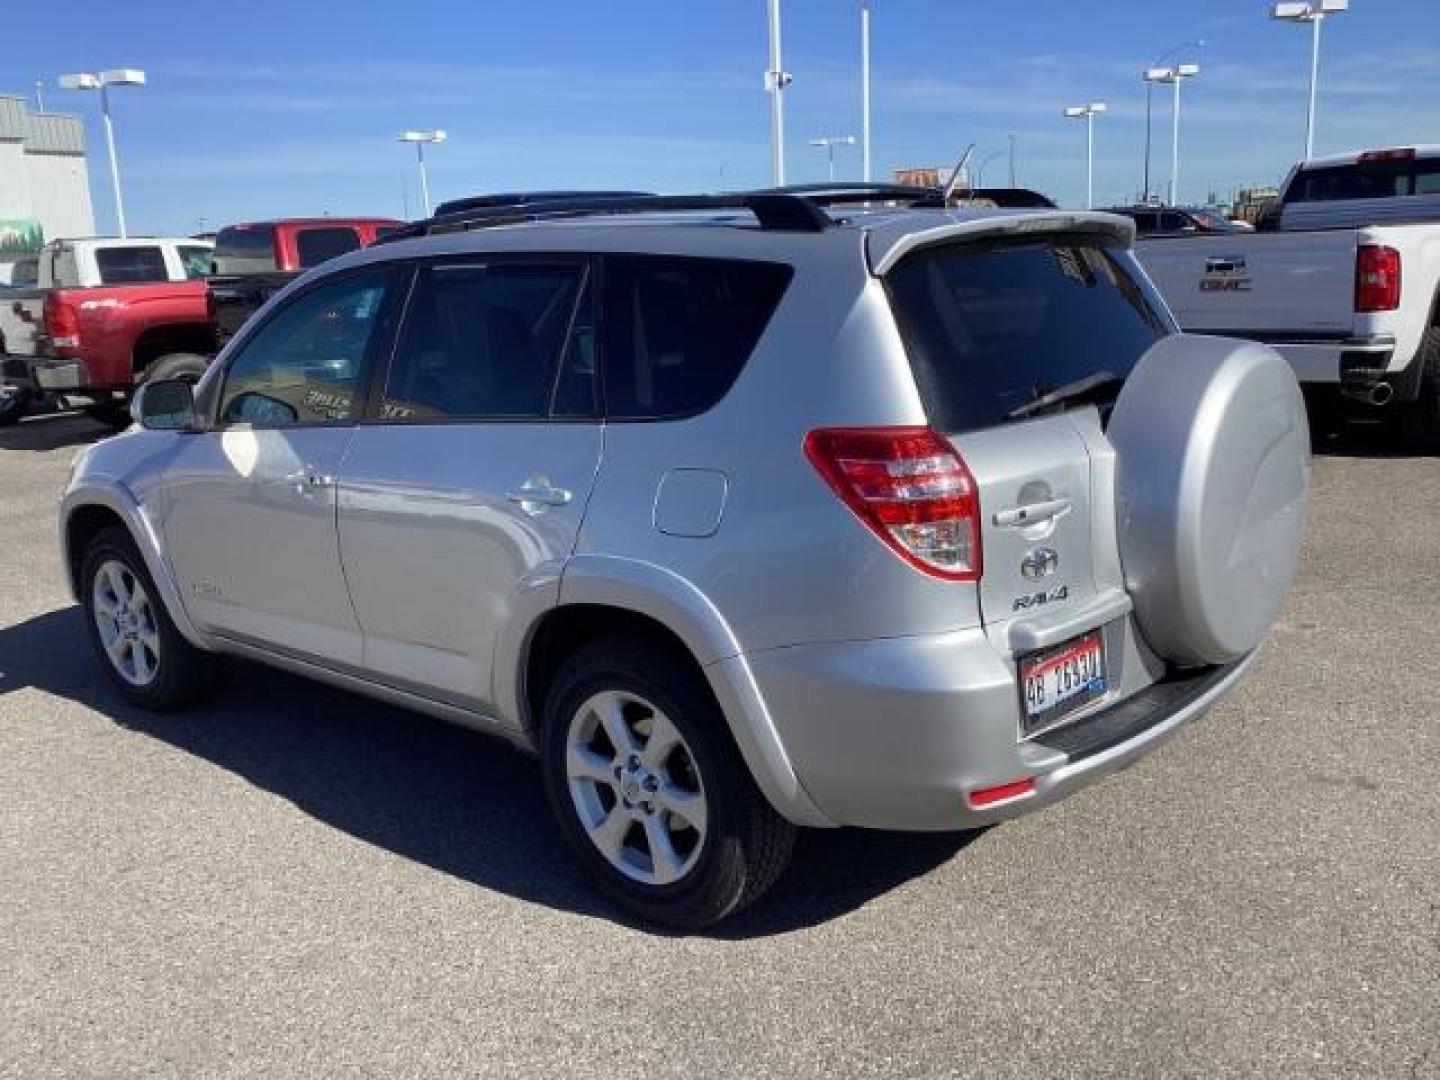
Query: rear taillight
x,y
62,321
913,490
1371,157
1377,278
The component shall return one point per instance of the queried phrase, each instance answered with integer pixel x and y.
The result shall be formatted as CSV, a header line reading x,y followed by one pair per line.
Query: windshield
x,y
990,328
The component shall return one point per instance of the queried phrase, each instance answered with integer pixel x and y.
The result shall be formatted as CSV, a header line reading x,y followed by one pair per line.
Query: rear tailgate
x,y
995,329
1261,285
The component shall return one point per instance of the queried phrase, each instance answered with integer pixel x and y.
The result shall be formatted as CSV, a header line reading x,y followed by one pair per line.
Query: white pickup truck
x,y
1343,279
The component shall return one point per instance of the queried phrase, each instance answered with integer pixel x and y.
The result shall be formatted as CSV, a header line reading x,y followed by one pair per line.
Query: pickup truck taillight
x,y
911,488
1377,278
62,321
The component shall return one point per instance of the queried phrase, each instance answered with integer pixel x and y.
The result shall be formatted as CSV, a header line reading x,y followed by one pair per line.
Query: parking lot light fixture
x,y
1088,114
102,81
420,139
828,143
1314,13
1173,75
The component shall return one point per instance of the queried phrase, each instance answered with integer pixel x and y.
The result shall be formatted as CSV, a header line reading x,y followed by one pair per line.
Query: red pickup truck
x,y
97,316
254,260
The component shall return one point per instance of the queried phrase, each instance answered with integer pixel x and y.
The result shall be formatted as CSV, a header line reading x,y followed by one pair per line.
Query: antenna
x,y
955,176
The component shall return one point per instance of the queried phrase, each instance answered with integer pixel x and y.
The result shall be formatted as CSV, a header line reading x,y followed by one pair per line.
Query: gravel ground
x,y
295,881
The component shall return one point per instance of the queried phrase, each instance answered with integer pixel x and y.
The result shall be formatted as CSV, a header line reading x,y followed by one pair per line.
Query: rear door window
x,y
195,258
678,331
130,265
246,250
501,340
990,328
315,246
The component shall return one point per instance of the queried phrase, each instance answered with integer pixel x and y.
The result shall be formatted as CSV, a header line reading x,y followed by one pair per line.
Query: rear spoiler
x,y
886,252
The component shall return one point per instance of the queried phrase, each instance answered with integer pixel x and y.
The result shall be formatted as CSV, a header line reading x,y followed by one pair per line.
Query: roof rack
x,y
528,198
777,211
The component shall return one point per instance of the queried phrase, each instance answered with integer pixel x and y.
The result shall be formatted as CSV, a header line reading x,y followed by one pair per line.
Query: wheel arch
x,y
602,595
86,512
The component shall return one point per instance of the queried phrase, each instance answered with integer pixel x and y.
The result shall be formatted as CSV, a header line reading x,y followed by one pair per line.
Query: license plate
x,y
1056,682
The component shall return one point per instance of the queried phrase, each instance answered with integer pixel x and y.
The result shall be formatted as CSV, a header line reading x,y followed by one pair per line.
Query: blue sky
x,y
265,109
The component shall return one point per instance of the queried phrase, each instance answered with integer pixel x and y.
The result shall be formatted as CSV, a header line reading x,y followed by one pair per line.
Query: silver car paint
x,y
837,665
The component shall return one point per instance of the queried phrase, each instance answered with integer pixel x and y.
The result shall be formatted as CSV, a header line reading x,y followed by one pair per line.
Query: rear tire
x,y
145,656
1420,420
677,833
185,366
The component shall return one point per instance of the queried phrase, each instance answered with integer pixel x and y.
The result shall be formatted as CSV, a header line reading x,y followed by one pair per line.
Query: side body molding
x,y
146,534
671,600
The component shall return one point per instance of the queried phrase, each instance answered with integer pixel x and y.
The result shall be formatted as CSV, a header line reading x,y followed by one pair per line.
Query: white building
x,y
44,181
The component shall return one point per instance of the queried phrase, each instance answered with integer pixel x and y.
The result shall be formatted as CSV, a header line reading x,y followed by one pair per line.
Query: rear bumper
x,y
897,734
40,373
1328,361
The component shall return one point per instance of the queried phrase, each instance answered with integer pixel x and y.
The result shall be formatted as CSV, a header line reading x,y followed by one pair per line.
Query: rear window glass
x,y
678,331
130,265
1372,180
315,246
991,328
245,251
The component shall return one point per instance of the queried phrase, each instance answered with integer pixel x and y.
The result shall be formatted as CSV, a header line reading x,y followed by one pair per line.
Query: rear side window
x,y
503,340
678,331
315,246
130,265
991,328
26,272
245,251
196,260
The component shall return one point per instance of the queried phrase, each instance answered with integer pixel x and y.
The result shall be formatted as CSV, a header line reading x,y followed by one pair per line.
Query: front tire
x,y
145,656
649,789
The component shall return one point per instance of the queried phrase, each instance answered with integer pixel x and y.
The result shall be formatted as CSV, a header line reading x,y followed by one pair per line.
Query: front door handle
x,y
1017,517
535,495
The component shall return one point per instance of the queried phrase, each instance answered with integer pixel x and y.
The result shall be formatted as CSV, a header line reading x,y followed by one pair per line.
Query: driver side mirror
x,y
164,405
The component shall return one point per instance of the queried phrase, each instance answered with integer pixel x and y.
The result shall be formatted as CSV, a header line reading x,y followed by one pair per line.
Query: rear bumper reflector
x,y
1003,793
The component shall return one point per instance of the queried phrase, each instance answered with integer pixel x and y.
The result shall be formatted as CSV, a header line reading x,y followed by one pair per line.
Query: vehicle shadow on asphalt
x,y
451,799
41,434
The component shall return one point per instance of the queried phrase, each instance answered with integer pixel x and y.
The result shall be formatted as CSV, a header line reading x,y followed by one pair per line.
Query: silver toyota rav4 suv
x,y
741,513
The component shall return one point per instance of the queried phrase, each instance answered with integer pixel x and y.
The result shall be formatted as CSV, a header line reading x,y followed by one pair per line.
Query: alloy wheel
x,y
636,787
125,619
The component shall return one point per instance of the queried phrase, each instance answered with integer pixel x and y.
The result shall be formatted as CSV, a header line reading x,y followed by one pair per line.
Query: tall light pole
x,y
865,90
1088,114
1174,76
1150,103
1313,12
420,139
103,81
828,143
776,80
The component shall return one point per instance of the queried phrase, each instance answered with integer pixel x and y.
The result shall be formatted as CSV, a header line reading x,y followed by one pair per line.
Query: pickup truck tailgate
x,y
1254,284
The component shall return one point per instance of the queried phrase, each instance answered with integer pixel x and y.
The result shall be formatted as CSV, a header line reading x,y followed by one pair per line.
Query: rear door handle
x,y
1017,517
534,495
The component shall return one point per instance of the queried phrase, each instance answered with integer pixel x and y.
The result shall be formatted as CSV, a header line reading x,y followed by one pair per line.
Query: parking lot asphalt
x,y
295,881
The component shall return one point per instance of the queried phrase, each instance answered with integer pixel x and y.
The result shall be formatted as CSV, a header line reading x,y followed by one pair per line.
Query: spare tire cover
x,y
1212,479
